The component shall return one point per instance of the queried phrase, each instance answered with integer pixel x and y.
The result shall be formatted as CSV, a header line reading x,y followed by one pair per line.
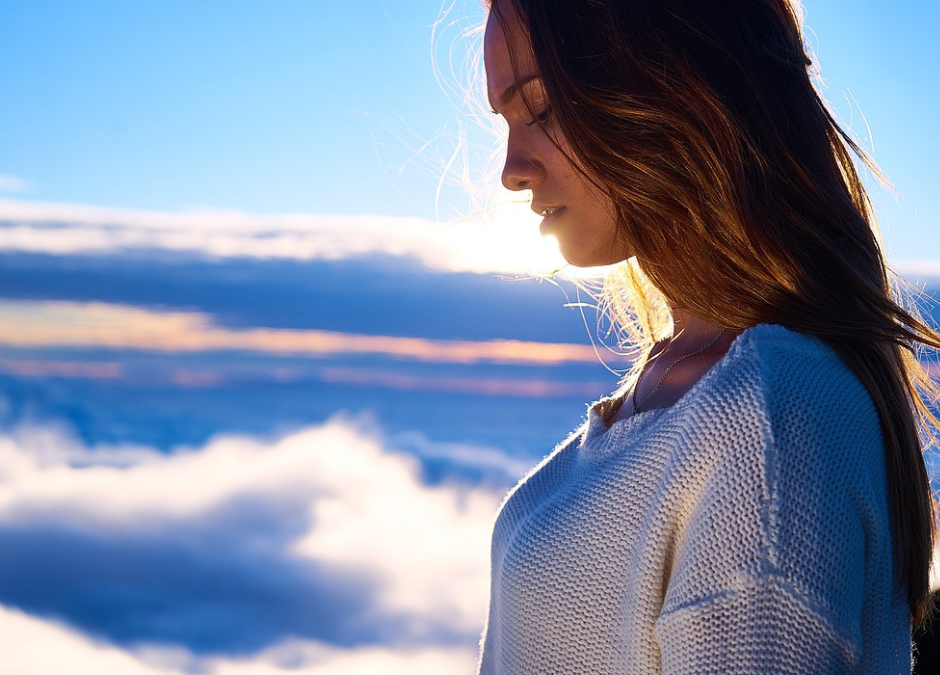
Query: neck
x,y
690,330
674,365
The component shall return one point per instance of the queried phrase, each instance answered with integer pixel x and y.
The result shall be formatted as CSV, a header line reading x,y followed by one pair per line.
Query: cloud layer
x,y
73,324
505,239
322,549
33,646
505,242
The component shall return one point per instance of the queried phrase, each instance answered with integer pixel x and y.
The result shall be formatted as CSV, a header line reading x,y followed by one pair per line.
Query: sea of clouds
x,y
282,536
322,551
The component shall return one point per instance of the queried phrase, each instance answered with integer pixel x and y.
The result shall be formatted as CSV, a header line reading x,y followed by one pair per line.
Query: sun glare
x,y
509,239
517,242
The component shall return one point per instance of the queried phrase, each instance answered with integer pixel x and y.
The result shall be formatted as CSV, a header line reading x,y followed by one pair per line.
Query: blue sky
x,y
261,390
275,106
324,108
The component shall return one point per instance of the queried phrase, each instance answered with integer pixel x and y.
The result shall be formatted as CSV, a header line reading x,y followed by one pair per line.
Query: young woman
x,y
754,498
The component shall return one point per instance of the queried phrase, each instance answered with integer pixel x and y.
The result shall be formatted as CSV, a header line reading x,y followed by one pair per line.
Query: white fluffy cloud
x,y
422,549
505,241
33,646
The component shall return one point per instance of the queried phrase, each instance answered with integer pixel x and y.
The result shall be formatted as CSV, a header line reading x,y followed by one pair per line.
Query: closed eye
x,y
541,118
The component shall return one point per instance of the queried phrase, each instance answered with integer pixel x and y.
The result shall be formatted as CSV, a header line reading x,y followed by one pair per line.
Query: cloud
x,y
504,239
371,378
489,386
14,184
324,535
92,324
509,243
42,368
315,659
34,646
31,646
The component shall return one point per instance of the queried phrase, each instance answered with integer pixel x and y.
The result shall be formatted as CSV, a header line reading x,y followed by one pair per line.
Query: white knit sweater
x,y
743,530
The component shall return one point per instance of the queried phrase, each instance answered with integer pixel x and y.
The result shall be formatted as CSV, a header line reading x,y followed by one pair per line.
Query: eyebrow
x,y
513,89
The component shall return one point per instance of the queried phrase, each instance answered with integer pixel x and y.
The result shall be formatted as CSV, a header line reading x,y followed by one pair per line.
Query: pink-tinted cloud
x,y
534,388
69,369
73,324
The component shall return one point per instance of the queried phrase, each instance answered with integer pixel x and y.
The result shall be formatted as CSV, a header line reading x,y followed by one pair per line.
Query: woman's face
x,y
574,211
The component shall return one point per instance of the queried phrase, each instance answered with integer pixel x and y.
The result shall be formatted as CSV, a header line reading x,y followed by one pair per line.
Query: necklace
x,y
637,406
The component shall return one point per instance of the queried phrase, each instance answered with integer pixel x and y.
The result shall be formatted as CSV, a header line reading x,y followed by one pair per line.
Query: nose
x,y
521,171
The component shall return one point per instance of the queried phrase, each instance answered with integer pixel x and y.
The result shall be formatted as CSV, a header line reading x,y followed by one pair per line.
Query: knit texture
x,y
744,529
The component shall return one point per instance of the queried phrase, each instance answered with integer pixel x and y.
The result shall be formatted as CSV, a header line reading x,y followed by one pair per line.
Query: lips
x,y
544,209
550,215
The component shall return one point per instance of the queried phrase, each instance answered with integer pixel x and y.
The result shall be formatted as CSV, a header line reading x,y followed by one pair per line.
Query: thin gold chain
x,y
637,406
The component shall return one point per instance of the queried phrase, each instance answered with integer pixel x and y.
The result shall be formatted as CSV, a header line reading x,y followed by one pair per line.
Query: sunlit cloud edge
x,y
504,240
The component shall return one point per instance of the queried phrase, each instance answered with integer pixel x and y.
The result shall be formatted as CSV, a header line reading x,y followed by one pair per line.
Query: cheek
x,y
567,174
563,163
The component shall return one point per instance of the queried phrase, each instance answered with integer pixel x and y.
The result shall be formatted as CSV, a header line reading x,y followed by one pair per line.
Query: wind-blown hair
x,y
736,190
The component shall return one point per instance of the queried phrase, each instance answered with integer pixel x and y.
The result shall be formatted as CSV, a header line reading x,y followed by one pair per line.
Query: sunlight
x,y
499,239
508,238
516,241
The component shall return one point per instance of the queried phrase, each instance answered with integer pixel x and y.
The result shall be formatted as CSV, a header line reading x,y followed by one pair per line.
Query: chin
x,y
585,260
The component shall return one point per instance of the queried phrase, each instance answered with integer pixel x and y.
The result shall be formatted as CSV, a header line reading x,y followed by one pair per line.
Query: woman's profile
x,y
754,498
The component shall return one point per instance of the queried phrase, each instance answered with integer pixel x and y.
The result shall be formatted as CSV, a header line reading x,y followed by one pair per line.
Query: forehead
x,y
505,39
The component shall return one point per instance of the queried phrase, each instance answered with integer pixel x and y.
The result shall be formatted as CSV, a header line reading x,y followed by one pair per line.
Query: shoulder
x,y
792,378
779,357
782,449
783,411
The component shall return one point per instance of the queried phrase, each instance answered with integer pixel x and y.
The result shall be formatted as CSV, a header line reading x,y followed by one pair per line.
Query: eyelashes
x,y
541,118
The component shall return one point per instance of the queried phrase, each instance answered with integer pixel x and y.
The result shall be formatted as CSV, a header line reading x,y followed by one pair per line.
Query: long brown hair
x,y
736,189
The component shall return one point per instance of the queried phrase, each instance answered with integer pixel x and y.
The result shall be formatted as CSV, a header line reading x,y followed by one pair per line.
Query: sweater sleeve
x,y
766,627
774,554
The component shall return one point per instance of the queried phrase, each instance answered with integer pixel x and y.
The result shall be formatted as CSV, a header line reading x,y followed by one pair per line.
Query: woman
x,y
754,498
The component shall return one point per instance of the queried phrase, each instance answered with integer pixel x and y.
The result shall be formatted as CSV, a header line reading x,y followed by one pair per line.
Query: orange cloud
x,y
100,325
